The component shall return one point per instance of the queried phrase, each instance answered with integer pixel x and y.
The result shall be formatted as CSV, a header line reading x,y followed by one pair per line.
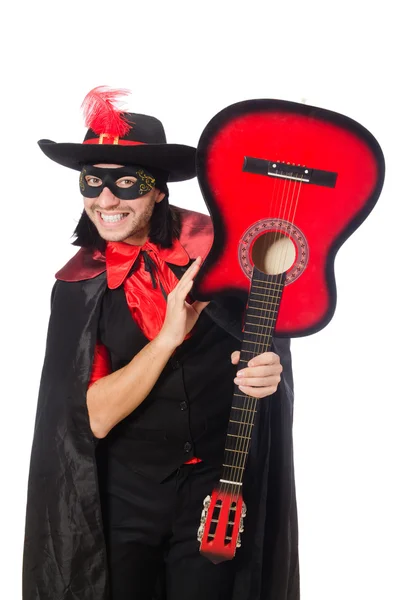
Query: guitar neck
x,y
260,319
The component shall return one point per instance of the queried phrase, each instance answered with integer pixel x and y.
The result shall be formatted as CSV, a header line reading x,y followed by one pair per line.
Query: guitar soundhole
x,y
273,253
274,246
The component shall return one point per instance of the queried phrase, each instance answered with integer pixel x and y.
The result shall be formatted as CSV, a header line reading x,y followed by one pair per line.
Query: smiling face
x,y
119,220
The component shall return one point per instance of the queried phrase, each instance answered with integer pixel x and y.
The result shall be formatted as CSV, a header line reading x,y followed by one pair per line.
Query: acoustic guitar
x,y
285,184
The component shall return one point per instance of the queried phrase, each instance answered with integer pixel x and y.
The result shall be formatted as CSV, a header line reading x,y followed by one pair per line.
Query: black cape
x,y
64,552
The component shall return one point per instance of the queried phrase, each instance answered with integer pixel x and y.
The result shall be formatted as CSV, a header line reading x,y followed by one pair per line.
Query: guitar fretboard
x,y
260,319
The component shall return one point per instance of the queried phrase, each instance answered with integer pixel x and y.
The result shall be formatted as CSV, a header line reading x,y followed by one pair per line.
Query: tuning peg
x,y
200,533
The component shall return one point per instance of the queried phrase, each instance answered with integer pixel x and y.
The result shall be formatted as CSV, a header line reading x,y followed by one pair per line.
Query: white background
x,y
183,62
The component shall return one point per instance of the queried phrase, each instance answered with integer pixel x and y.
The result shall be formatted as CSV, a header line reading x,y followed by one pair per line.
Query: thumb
x,y
235,357
199,306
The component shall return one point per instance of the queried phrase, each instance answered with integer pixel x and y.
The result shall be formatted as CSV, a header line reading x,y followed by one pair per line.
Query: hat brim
x,y
178,160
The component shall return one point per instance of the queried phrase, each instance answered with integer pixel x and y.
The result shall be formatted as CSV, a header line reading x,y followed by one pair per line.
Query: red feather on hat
x,y
101,113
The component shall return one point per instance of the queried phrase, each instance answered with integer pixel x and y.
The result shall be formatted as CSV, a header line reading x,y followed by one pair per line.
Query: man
x,y
136,392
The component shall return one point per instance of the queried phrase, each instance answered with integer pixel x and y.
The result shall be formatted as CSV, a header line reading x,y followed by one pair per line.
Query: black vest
x,y
187,412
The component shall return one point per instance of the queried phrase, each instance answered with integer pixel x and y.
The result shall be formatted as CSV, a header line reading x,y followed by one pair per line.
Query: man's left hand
x,y
260,378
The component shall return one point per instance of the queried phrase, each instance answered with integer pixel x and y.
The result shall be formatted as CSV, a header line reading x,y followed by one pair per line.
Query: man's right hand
x,y
129,386
181,316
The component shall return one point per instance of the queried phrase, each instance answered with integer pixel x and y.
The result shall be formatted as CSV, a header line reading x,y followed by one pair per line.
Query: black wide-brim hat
x,y
145,145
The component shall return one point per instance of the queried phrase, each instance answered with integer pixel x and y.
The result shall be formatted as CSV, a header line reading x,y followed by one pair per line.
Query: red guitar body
x,y
253,162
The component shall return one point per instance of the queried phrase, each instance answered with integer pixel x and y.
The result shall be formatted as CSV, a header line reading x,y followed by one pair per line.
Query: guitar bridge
x,y
284,170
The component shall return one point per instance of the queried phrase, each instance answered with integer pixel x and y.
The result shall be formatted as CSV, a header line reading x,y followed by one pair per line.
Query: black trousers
x,y
151,534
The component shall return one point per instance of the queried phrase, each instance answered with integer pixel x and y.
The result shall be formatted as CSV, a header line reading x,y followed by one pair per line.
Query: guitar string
x,y
297,187
264,325
231,463
277,288
240,456
249,402
292,204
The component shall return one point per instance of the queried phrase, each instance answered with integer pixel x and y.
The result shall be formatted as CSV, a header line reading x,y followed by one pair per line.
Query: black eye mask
x,y
145,182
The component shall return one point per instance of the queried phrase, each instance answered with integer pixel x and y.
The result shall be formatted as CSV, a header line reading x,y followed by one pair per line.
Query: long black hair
x,y
165,225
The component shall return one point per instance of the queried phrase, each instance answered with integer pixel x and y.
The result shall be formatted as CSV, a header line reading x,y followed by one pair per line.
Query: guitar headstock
x,y
221,525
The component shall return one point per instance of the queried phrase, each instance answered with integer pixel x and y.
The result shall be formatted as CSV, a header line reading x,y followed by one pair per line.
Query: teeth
x,y
113,218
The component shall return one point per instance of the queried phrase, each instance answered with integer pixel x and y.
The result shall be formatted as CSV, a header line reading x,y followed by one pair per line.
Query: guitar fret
x,y
261,301
252,336
259,324
241,437
281,285
276,296
241,423
266,296
233,466
270,310
261,287
268,303
239,451
247,409
258,294
261,334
